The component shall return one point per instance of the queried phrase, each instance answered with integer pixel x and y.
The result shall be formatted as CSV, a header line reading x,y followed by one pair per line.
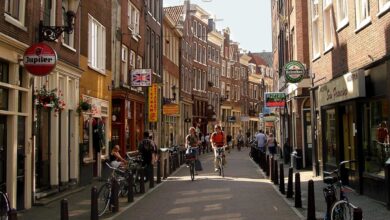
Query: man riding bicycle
x,y
192,143
217,140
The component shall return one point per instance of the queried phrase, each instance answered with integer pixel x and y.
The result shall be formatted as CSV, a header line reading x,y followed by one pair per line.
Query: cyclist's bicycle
x,y
5,207
190,160
337,208
221,160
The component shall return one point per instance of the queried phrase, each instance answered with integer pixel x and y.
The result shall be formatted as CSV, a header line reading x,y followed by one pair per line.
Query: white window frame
x,y
315,29
70,44
342,10
328,28
124,63
132,59
223,72
133,18
96,45
384,6
362,10
16,20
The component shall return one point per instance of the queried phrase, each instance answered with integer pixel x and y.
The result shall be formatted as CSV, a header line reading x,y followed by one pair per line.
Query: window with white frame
x,y
16,9
199,56
223,72
342,13
362,13
96,45
384,5
49,13
68,39
133,18
139,62
132,59
328,24
228,71
315,28
124,64
204,55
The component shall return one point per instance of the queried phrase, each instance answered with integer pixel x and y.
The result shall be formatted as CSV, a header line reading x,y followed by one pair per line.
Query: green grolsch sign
x,y
294,71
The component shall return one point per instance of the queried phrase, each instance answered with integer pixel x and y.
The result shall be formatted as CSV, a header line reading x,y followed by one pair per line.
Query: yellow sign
x,y
171,109
153,103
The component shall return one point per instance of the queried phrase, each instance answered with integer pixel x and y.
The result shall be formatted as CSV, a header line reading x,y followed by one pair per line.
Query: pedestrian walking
x,y
147,149
271,144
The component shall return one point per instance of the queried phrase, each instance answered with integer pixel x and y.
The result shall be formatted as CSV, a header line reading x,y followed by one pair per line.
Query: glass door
x,y
3,152
349,145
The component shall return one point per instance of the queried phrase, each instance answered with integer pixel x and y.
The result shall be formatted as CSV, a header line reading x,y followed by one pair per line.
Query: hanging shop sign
x,y
141,77
40,59
171,109
294,71
231,119
348,86
153,103
275,99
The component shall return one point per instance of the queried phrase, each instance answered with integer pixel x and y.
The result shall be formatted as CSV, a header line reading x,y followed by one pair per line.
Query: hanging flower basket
x,y
84,107
49,100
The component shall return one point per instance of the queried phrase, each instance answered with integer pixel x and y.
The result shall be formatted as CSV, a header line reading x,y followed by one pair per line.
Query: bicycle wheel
x,y
4,206
123,188
104,196
221,173
192,170
341,210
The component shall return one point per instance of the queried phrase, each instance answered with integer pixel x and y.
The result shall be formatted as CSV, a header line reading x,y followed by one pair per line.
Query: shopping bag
x,y
198,165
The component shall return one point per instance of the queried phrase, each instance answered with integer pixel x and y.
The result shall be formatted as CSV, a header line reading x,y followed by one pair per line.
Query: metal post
x,y
64,210
114,195
130,183
290,183
281,179
94,204
142,180
298,198
276,180
311,207
158,171
151,176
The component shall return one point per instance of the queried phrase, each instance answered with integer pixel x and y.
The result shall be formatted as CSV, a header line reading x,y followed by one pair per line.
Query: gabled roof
x,y
256,59
266,56
174,12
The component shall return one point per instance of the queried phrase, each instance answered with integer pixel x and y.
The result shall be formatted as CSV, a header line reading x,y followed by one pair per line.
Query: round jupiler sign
x,y
40,59
294,71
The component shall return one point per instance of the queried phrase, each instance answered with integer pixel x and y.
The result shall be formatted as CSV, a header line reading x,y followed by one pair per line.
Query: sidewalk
x,y
372,209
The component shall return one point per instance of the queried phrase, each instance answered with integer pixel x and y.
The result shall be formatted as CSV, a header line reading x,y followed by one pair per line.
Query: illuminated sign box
x,y
275,99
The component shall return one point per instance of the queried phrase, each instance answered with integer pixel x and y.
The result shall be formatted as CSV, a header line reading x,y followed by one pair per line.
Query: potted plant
x,y
84,107
49,100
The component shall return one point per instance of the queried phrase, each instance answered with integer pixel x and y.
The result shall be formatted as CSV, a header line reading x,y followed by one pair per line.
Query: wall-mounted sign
x,y
171,109
141,77
348,86
294,71
244,118
231,119
40,59
153,103
275,99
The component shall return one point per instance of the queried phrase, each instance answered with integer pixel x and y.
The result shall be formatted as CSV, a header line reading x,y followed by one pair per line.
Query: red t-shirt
x,y
218,138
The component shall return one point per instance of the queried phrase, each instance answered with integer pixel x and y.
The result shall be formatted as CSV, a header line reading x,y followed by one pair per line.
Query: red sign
x,y
40,59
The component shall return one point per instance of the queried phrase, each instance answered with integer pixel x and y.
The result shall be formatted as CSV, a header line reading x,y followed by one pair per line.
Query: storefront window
x,y
330,137
376,136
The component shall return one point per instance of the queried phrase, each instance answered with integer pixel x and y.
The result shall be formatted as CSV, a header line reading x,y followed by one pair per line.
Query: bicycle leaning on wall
x,y
338,205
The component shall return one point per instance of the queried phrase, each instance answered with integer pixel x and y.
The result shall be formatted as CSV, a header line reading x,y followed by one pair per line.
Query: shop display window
x,y
331,147
376,144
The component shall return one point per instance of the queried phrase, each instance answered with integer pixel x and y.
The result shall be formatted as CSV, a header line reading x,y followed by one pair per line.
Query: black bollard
x,y
267,166
297,197
64,210
357,214
158,171
142,180
271,168
94,204
151,176
130,183
170,164
311,207
290,183
12,214
387,183
165,169
276,176
114,195
281,179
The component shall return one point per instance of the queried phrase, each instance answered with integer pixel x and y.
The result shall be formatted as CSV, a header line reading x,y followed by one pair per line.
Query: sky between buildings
x,y
249,20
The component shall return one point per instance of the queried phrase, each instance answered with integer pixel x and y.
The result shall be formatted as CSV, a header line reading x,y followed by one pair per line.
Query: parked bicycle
x,y
190,160
121,176
338,205
221,160
5,207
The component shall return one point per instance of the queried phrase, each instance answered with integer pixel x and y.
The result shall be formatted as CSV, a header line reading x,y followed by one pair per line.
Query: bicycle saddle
x,y
330,180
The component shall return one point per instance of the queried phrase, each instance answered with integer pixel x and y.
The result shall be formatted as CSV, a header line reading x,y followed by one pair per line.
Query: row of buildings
x,y
336,111
56,130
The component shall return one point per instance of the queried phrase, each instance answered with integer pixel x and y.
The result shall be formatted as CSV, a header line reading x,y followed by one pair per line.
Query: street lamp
x,y
51,33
